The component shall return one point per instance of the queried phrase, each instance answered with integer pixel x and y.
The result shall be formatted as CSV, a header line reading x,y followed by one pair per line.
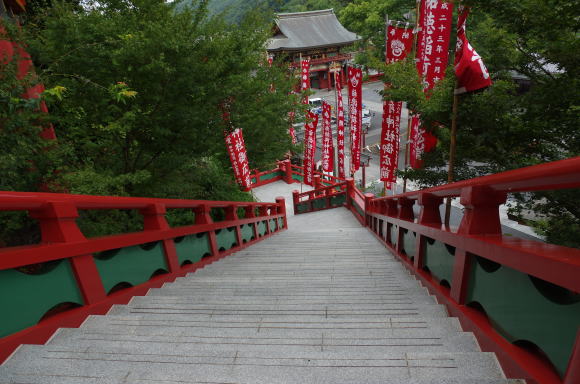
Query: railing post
x,y
349,192
58,225
317,183
153,220
392,208
232,215
202,216
251,213
481,217
367,207
429,215
405,212
287,171
282,211
295,201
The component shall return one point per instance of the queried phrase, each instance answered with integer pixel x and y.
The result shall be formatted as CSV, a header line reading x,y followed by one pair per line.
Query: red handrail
x,y
63,240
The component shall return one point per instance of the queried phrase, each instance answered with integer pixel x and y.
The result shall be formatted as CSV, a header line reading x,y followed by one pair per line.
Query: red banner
x,y
470,71
238,157
433,45
327,159
305,78
291,130
355,114
421,142
339,125
390,140
399,43
310,147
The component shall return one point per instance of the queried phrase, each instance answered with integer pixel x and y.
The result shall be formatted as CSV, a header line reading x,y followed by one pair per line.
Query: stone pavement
x,y
322,302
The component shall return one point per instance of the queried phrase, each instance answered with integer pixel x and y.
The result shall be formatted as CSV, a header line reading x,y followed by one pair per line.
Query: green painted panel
x,y
247,232
519,310
253,180
192,248
338,201
134,265
297,177
280,222
439,260
272,225
303,207
270,176
319,204
25,298
410,243
261,228
226,238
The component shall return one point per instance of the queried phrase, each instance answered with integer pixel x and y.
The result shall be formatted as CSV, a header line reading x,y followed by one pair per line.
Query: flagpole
x,y
452,148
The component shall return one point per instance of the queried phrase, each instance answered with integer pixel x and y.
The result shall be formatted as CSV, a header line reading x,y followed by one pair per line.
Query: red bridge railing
x,y
521,298
88,275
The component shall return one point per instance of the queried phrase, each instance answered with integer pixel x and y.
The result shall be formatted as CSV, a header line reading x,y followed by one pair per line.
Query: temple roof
x,y
315,29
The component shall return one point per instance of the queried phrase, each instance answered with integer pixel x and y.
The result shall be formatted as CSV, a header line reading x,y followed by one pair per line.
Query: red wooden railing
x,y
548,270
63,241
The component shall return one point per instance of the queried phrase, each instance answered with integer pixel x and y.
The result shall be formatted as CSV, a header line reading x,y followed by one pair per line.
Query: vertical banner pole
x,y
452,148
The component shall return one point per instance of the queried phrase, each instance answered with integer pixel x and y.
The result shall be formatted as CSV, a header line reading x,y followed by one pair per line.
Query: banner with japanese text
x,y
390,141
305,78
355,116
309,147
291,130
433,41
238,157
339,125
421,142
399,43
470,70
327,144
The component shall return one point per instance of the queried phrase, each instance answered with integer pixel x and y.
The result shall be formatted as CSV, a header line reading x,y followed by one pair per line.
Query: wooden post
x,y
452,147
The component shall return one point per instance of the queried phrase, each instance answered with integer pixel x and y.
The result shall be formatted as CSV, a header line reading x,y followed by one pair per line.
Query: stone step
x,y
131,365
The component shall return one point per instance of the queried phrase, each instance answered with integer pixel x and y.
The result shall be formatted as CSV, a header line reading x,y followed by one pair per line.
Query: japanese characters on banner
x,y
399,43
470,71
305,78
390,140
310,147
327,159
433,41
355,115
238,157
339,125
421,142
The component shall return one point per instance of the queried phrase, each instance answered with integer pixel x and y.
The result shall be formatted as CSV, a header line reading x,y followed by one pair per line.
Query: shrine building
x,y
317,35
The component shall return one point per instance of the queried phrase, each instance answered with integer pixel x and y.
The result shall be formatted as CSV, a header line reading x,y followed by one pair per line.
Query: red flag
x,y
339,125
327,159
355,114
433,46
390,140
291,129
399,43
238,157
421,142
310,147
470,71
305,78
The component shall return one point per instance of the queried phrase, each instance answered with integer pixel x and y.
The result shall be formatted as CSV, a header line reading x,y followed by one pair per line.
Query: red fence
x,y
521,298
88,275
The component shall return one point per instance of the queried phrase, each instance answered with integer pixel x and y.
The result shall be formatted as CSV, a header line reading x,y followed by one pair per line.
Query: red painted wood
x,y
573,372
460,277
481,211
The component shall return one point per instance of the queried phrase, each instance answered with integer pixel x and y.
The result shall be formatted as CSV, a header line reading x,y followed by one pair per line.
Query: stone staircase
x,y
323,302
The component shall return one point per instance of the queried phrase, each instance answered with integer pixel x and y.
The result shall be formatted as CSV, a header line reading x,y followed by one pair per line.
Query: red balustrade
x,y
475,263
63,241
